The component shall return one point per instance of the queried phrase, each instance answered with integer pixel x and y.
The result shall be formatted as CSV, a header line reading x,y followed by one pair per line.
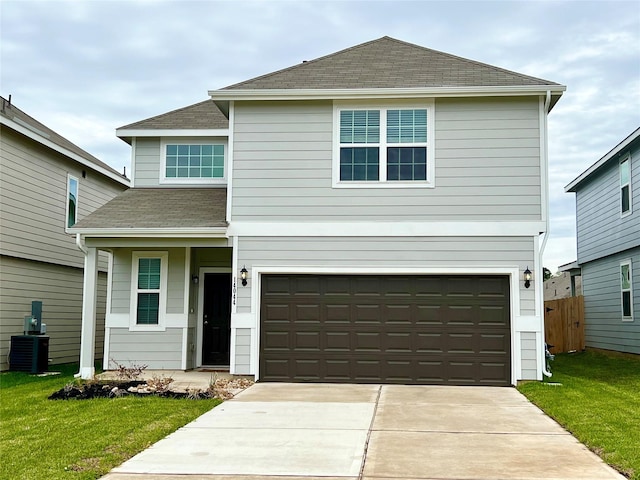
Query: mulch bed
x,y
115,390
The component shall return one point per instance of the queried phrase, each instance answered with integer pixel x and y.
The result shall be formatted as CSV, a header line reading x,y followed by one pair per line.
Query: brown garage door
x,y
445,330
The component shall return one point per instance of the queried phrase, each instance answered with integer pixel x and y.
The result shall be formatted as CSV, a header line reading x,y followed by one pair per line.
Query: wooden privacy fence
x,y
564,324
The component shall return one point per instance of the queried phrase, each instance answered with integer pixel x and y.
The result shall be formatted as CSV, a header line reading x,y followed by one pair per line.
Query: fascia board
x,y
68,153
171,132
213,232
350,93
596,166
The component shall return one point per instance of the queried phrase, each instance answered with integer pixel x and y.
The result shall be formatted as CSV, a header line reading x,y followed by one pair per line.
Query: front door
x,y
216,319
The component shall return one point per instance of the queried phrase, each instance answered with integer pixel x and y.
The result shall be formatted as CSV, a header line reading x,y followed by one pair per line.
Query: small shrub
x,y
131,372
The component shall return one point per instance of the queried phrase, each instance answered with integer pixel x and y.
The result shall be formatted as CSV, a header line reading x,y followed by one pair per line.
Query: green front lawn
x,y
598,402
78,439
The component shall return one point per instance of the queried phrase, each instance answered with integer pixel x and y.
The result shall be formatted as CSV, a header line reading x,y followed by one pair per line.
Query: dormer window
x,y
193,162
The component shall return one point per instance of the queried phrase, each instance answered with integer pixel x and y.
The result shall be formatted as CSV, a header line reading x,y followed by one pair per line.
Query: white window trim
x,y
66,202
626,157
427,104
630,289
162,306
192,181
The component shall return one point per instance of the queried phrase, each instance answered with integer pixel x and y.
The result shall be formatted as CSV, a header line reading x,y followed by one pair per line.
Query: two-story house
x,y
47,184
608,241
374,215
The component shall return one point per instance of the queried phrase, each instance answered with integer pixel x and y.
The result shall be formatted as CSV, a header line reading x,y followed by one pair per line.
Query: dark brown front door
x,y
216,320
441,330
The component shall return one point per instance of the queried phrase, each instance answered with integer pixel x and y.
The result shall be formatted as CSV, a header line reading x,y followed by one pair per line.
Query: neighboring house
x,y
608,237
46,184
561,286
367,216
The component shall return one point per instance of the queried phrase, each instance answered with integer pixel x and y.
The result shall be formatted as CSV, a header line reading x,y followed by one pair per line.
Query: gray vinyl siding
x,y
60,290
604,327
529,356
121,283
157,350
487,165
243,351
415,252
33,190
600,229
146,162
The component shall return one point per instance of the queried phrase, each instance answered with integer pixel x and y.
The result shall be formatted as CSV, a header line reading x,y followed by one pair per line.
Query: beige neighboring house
x,y
559,286
47,184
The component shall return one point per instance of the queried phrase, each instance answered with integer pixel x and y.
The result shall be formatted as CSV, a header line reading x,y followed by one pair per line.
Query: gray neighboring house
x,y
367,216
46,184
608,238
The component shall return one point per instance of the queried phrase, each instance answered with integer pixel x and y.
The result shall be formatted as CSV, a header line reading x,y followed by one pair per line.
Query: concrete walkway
x,y
336,432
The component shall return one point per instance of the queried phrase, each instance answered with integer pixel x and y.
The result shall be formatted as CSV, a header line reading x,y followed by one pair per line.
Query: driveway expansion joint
x,y
366,443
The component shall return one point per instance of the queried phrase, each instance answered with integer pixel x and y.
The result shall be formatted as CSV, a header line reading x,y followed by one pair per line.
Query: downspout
x,y
543,245
83,249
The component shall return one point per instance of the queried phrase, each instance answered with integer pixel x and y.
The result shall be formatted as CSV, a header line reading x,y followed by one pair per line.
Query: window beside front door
x,y
149,280
626,290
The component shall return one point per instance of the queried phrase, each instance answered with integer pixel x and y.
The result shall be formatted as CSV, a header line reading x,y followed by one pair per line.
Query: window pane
x,y
72,202
624,172
625,280
359,164
359,126
626,304
625,198
172,149
406,163
149,273
183,149
148,305
407,126
190,159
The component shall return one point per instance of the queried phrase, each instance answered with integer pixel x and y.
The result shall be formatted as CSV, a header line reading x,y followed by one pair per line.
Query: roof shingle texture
x,y
203,115
388,63
13,113
166,208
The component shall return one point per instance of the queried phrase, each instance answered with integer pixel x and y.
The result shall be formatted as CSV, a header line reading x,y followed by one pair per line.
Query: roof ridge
x,y
160,115
305,62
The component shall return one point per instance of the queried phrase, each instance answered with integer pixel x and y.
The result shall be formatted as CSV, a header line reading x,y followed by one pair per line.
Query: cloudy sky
x,y
84,68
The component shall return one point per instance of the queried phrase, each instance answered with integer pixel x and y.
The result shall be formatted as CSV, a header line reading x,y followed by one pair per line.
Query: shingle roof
x,y
13,113
203,115
388,63
163,208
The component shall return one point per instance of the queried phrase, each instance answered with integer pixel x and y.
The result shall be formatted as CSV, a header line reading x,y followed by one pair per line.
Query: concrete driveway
x,y
320,431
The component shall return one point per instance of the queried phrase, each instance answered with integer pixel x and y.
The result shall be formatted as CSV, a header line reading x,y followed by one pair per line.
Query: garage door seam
x,y
366,443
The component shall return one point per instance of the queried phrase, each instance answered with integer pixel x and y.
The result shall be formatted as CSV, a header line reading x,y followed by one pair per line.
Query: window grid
x,y
148,295
626,291
194,161
406,161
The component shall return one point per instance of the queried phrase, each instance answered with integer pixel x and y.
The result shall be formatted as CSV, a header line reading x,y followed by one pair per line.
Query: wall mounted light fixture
x,y
527,278
194,279
243,276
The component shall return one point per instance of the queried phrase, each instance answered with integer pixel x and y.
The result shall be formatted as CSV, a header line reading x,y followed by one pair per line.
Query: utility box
x,y
29,353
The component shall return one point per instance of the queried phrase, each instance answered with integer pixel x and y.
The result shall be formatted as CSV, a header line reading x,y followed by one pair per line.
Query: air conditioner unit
x,y
29,353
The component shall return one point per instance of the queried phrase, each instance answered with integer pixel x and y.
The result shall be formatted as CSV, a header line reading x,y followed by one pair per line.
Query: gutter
x,y
547,103
80,243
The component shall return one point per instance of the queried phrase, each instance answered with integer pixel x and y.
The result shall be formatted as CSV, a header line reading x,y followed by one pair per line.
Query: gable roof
x,y
614,153
145,211
14,118
388,63
200,116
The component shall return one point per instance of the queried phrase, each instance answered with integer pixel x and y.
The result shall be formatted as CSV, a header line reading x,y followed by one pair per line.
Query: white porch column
x,y
89,296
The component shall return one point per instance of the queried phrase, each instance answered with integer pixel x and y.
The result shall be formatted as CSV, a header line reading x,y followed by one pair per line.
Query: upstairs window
x,y
72,201
193,163
382,147
626,288
625,186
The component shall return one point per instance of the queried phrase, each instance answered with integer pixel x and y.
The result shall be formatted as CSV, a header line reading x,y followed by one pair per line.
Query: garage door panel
x,y
443,330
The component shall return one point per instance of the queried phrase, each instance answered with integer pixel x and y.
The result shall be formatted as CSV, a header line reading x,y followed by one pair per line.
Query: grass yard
x,y
598,402
78,439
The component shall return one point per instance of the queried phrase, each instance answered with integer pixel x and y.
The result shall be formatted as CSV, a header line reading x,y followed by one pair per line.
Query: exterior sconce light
x,y
194,279
243,276
527,278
